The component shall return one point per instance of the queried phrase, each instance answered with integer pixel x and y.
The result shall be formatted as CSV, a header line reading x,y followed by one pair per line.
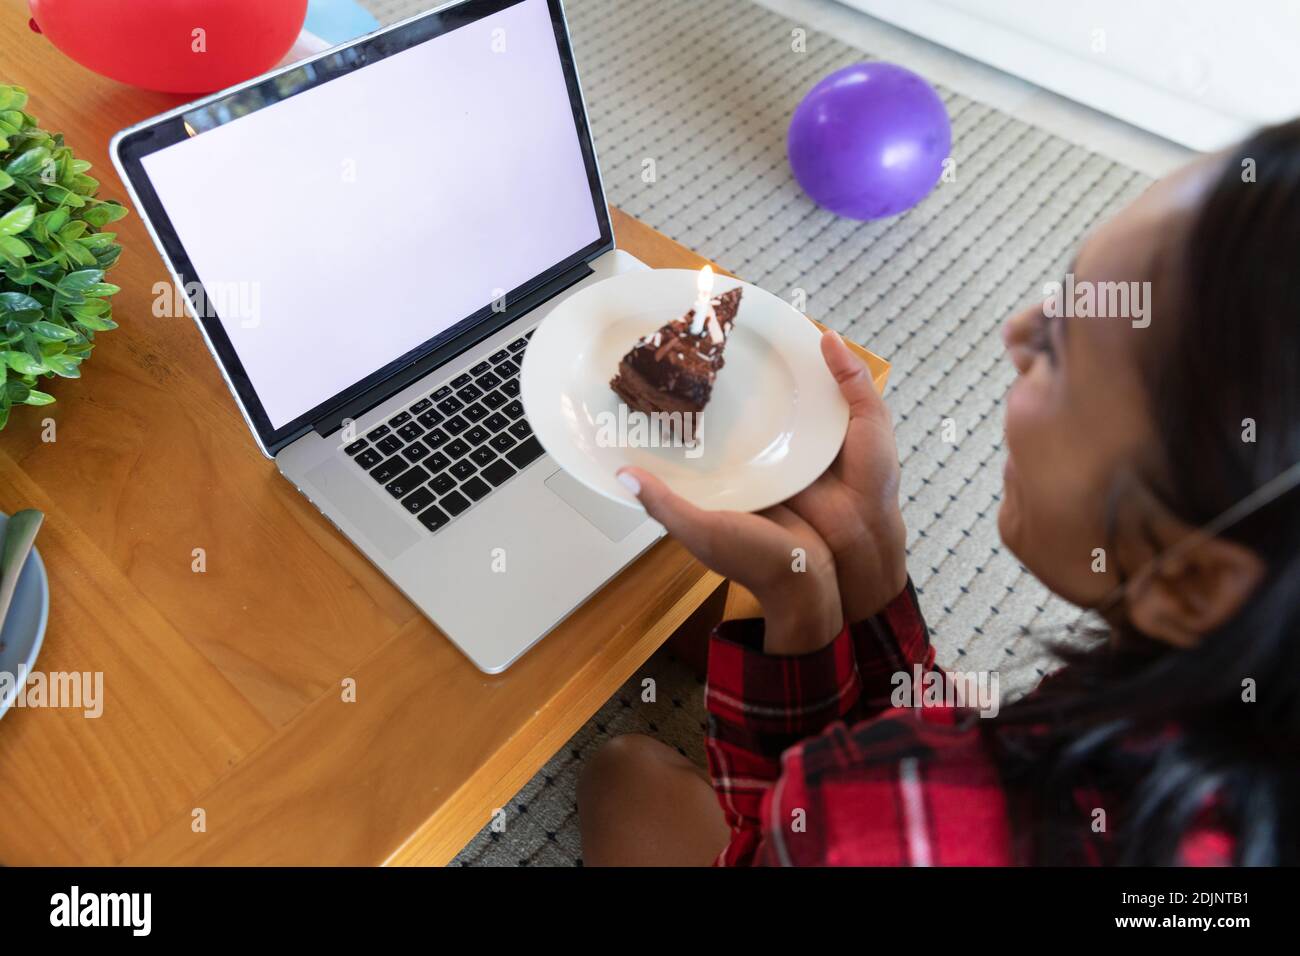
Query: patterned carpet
x,y
705,88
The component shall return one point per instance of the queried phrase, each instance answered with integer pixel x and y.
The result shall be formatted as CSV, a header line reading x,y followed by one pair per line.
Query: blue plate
x,y
24,628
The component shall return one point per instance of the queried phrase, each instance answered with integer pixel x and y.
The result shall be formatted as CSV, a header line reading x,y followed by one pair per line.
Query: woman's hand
x,y
774,553
853,506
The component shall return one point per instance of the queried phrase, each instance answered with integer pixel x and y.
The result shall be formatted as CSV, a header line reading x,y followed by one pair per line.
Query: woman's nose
x,y
1015,338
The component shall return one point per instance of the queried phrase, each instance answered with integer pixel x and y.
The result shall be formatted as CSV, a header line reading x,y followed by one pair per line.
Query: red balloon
x,y
176,46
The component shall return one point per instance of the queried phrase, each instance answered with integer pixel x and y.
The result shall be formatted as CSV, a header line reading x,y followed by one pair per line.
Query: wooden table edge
x,y
453,825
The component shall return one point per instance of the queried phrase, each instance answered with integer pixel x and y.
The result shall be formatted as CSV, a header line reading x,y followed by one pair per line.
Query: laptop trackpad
x,y
613,520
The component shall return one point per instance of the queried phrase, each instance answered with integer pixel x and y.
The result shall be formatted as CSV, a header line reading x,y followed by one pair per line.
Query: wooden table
x,y
223,689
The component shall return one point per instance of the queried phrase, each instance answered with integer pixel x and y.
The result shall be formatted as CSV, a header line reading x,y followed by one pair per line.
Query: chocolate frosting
x,y
674,369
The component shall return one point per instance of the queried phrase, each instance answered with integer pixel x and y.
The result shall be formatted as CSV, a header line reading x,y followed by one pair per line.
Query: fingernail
x,y
628,480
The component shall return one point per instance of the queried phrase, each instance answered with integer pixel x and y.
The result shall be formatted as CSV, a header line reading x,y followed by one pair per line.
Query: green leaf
x,y
98,240
56,220
18,302
64,366
91,307
15,247
64,196
22,363
38,398
78,253
52,332
102,213
17,220
98,216
104,258
24,164
76,283
12,97
5,179
23,276
96,323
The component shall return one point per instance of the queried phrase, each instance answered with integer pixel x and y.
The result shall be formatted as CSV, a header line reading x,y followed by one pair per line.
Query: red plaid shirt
x,y
813,766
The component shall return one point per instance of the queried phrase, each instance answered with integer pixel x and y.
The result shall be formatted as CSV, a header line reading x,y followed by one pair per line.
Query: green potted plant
x,y
53,256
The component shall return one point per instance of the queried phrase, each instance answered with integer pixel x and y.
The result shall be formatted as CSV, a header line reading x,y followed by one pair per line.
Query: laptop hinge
x,y
332,420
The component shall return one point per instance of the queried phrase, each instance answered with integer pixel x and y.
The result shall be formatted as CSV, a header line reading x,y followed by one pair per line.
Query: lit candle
x,y
703,307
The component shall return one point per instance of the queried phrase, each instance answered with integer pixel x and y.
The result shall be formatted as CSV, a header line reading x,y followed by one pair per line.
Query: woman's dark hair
x,y
1103,724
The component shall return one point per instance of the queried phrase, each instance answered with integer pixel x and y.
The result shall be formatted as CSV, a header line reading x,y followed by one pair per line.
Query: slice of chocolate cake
x,y
673,370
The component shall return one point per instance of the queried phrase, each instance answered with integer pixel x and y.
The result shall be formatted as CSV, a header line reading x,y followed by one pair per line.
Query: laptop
x,y
367,239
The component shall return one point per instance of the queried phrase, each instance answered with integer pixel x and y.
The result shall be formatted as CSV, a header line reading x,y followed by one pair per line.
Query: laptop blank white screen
x,y
339,229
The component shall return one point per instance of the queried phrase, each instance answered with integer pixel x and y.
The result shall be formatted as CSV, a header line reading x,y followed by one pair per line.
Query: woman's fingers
x,y
852,376
853,506
869,454
753,549
694,527
775,554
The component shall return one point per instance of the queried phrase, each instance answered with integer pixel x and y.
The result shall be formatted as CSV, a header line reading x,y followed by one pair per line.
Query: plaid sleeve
x,y
759,705
895,640
907,788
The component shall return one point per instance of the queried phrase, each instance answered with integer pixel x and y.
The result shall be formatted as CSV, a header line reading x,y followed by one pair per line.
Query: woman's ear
x,y
1192,590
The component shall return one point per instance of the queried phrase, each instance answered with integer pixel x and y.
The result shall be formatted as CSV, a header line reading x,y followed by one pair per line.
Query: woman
x,y
1151,473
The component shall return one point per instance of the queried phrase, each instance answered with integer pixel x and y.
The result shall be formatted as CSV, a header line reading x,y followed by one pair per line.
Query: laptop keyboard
x,y
451,448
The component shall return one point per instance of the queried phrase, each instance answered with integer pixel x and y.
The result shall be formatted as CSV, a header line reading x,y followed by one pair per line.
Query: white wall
x,y
1200,72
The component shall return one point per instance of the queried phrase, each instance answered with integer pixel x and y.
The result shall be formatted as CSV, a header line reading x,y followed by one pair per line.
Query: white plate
x,y
775,422
24,627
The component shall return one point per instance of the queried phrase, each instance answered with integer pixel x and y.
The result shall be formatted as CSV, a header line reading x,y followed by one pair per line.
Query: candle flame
x,y
703,307
705,282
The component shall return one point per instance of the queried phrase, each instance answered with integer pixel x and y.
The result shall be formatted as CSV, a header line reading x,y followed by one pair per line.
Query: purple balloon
x,y
869,140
